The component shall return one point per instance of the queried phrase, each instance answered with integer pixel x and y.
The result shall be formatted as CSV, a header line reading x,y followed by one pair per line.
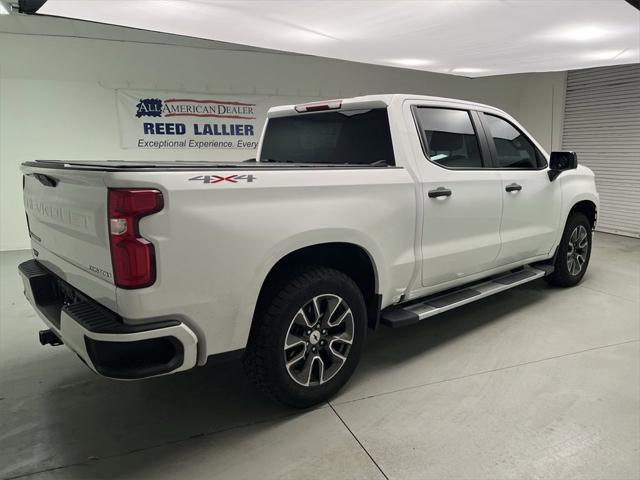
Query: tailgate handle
x,y
46,179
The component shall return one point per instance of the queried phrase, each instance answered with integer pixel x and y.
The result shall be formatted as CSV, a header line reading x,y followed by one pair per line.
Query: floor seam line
x,y
358,440
608,293
484,372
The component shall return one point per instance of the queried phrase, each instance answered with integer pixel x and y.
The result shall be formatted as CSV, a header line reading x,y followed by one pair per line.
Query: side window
x,y
513,148
449,137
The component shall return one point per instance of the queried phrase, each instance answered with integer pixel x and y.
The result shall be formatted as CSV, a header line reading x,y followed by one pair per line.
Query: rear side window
x,y
449,137
513,148
347,137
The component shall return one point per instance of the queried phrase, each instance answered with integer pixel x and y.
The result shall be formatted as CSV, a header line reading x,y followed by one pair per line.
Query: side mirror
x,y
561,161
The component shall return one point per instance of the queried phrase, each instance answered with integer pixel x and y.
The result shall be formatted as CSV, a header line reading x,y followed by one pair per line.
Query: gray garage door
x,y
602,124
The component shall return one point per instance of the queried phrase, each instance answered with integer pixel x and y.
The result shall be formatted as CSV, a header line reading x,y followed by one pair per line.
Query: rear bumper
x,y
101,339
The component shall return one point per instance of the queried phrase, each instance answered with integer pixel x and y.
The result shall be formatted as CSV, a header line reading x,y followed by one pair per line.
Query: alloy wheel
x,y
318,340
577,250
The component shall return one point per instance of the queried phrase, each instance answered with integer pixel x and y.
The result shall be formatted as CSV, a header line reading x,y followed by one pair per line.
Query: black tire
x,y
280,315
566,272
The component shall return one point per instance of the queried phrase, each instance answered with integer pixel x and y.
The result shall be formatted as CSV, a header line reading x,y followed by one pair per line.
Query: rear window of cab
x,y
360,137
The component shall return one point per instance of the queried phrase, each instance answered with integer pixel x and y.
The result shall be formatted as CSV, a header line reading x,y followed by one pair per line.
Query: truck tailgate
x,y
67,217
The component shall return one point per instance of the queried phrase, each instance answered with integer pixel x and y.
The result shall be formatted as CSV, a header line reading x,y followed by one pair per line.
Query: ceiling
x,y
463,37
43,25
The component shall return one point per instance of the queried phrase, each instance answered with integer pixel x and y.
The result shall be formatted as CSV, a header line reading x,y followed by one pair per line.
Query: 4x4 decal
x,y
219,178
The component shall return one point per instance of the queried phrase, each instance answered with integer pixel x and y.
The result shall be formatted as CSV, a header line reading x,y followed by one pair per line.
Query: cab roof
x,y
373,101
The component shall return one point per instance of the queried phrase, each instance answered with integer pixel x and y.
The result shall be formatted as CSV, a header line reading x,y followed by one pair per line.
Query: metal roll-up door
x,y
602,124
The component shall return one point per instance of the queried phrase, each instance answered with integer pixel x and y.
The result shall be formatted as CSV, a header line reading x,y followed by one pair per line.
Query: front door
x,y
462,199
531,202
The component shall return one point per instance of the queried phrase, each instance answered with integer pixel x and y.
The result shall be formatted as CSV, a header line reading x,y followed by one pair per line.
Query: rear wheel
x,y
308,336
574,252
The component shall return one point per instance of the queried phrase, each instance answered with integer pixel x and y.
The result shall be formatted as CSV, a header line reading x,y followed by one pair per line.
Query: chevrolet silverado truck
x,y
383,209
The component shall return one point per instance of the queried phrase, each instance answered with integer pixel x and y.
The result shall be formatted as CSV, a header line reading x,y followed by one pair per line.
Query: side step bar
x,y
416,310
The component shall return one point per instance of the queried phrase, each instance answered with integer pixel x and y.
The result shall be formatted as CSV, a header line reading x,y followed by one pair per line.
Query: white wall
x,y
57,97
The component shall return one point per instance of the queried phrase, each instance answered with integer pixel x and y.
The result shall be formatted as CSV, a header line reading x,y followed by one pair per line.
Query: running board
x,y
416,310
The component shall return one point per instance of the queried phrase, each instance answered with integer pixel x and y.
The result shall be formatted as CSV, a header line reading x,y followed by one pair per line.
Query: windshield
x,y
348,137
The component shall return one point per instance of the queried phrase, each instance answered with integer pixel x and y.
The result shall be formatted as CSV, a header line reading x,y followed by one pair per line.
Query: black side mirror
x,y
561,161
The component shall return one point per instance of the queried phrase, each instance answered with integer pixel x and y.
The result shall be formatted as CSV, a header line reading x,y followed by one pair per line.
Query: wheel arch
x,y
350,258
586,203
588,208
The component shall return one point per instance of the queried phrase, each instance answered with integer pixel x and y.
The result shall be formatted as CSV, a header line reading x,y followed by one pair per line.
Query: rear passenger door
x,y
461,196
531,203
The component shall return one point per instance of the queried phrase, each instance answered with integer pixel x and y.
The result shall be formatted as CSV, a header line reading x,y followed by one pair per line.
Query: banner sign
x,y
172,120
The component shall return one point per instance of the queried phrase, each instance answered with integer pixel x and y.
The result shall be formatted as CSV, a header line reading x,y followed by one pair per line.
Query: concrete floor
x,y
535,382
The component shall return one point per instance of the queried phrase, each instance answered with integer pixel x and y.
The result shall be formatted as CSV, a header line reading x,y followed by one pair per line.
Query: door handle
x,y
439,192
513,187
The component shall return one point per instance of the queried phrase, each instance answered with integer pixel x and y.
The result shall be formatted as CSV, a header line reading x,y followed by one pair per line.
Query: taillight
x,y
133,257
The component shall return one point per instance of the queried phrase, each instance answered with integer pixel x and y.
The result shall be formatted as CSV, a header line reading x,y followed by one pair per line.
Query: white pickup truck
x,y
384,209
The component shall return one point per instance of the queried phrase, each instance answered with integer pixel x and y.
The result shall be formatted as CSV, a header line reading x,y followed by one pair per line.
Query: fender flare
x,y
570,204
246,311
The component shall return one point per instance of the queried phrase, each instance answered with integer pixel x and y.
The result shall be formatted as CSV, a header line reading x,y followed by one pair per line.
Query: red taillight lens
x,y
133,257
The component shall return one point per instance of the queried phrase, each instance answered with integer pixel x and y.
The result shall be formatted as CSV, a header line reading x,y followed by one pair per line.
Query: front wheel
x,y
308,336
574,252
